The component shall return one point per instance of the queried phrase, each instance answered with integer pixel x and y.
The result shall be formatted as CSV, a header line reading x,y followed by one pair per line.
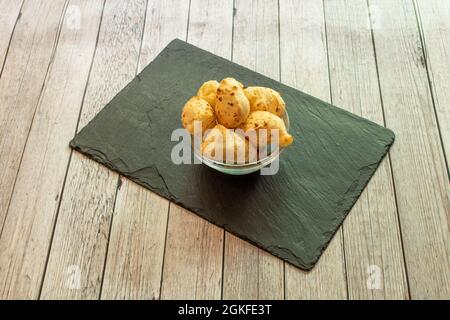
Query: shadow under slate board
x,y
292,214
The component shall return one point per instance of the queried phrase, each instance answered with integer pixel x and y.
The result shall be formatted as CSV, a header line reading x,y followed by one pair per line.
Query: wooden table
x,y
71,228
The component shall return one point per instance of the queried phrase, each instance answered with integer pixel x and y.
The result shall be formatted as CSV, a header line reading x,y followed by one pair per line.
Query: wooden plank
x,y
193,259
419,171
134,264
211,26
194,247
9,16
373,249
249,272
30,52
28,227
304,65
434,23
165,21
76,261
136,248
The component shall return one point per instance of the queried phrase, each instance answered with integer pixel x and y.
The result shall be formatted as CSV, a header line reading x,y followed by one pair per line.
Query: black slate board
x,y
293,214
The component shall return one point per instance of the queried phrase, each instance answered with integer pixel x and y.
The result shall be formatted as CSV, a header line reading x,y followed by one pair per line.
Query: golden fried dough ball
x,y
197,109
208,92
265,99
265,120
232,106
221,141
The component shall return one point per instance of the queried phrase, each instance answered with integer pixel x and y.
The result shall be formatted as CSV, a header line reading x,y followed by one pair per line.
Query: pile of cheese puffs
x,y
230,114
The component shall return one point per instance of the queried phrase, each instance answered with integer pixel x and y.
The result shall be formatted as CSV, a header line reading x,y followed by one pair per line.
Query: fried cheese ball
x,y
232,107
197,109
208,92
265,99
265,120
221,141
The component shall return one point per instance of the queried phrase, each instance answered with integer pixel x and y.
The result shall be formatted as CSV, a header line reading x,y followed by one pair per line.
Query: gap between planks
x,y
8,19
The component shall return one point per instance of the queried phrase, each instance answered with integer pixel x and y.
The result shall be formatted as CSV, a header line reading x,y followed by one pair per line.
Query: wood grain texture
x,y
78,250
9,16
210,28
373,249
249,272
193,259
30,52
77,256
136,249
304,66
417,158
27,232
434,18
165,21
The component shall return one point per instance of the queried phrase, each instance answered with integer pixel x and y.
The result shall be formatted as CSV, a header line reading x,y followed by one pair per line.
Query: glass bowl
x,y
243,168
